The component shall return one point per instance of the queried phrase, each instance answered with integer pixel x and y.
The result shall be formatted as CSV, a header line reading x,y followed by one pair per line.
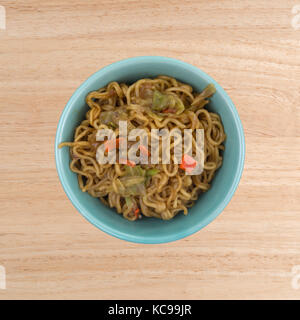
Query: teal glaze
x,y
209,204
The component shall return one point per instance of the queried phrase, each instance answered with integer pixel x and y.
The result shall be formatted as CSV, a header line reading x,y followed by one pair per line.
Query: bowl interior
x,y
209,204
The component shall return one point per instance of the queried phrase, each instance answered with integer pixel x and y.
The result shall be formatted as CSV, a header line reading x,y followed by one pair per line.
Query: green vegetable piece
x,y
129,202
200,101
160,101
137,189
134,181
152,172
208,91
130,181
135,171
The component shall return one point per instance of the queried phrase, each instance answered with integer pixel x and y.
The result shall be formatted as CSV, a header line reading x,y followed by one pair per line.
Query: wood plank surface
x,y
252,48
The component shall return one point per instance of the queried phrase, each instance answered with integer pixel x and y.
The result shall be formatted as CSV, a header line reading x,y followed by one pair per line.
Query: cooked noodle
x,y
169,190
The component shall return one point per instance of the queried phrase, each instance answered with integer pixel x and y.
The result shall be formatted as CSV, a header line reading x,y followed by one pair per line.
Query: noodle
x,y
167,190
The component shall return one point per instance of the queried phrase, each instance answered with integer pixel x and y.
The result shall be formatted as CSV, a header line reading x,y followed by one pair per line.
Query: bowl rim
x,y
185,232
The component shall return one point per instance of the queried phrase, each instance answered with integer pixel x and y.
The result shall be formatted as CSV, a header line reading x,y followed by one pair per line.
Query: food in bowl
x,y
160,190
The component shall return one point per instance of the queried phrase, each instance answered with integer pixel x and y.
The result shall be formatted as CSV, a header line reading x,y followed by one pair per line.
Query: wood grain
x,y
49,250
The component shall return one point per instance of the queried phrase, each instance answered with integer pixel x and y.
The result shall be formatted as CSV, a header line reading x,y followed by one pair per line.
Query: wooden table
x,y
252,250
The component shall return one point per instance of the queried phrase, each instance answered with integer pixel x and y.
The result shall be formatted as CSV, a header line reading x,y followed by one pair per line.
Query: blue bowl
x,y
209,204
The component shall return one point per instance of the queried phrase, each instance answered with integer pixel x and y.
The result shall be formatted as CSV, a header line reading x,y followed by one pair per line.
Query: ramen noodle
x,y
150,190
